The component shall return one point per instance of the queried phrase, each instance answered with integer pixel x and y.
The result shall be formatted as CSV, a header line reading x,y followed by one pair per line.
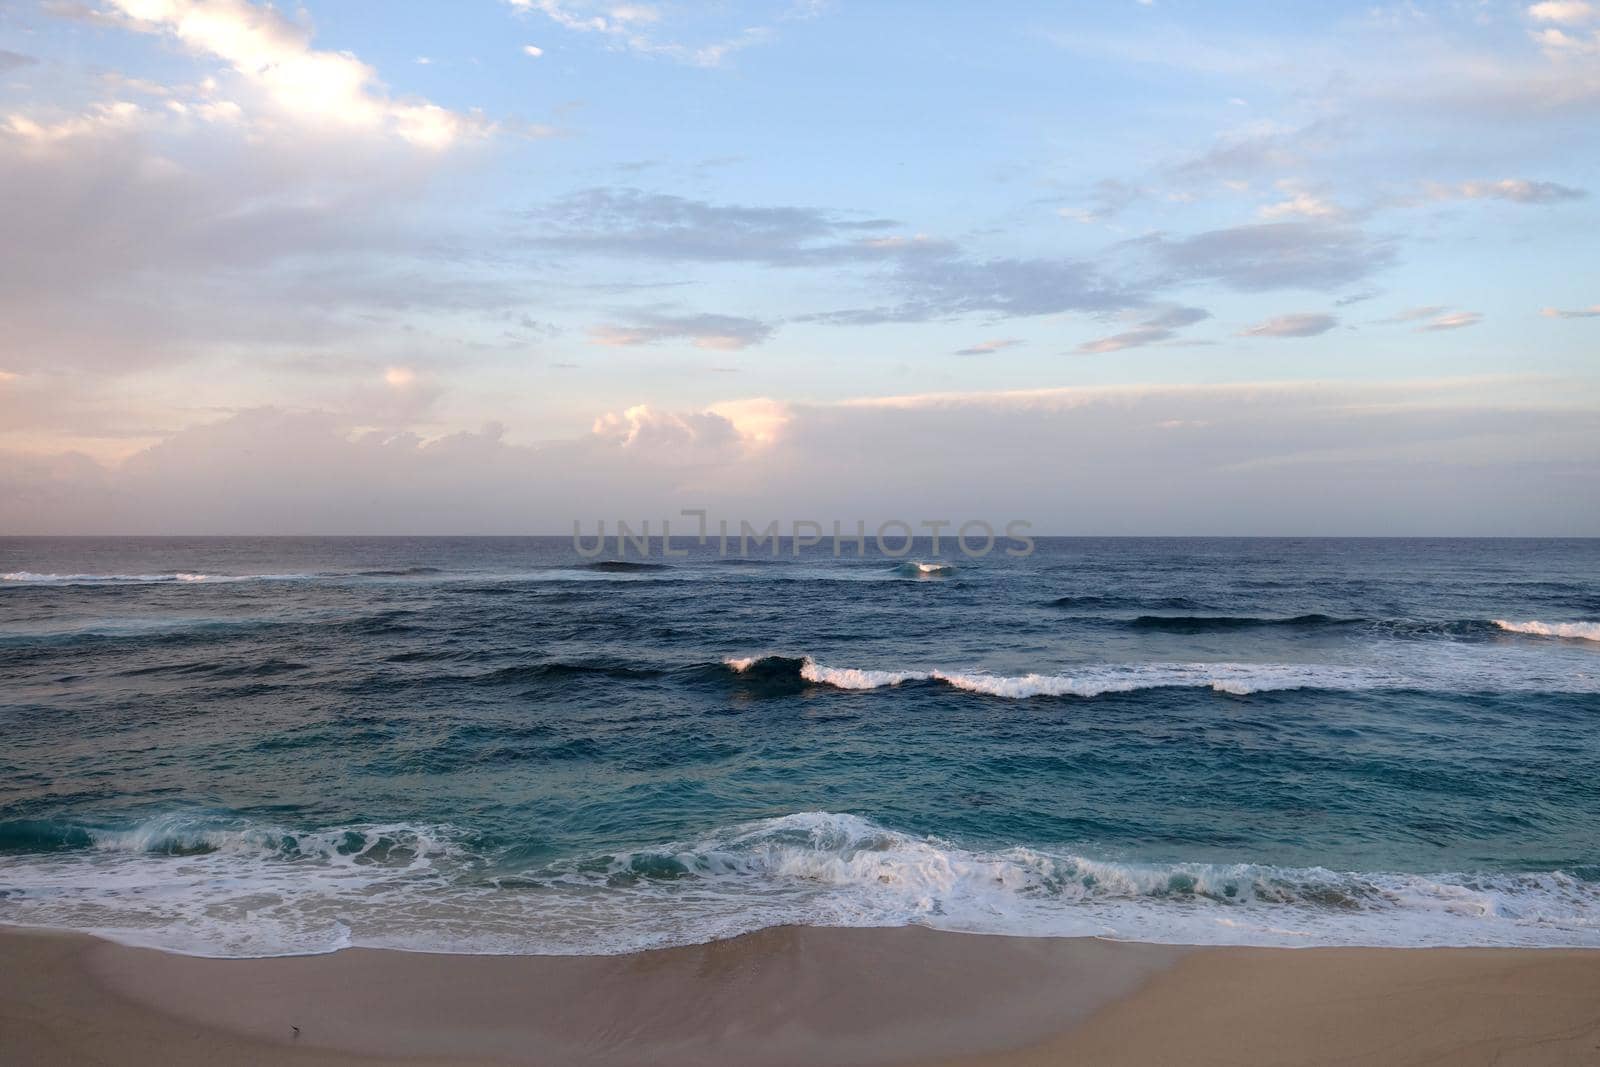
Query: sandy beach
x,y
796,996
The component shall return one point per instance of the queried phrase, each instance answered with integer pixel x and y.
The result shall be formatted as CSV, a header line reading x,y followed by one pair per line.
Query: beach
x,y
794,996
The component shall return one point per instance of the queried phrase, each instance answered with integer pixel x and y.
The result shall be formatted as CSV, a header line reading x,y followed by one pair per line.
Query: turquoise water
x,y
262,746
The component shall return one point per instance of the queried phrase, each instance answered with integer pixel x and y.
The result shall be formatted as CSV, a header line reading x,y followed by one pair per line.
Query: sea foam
x,y
239,889
1235,678
1582,631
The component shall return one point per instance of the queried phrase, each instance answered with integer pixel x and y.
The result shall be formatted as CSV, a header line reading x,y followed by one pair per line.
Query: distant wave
x,y
924,570
1239,679
400,572
179,577
1125,603
1194,624
1581,631
443,888
33,578
623,566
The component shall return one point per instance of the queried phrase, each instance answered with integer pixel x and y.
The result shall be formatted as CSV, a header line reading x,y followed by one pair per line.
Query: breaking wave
x,y
1580,631
924,570
242,890
1235,678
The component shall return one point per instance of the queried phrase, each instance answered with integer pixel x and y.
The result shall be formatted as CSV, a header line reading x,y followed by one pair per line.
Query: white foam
x,y
1235,678
259,890
178,577
854,678
1445,667
1582,631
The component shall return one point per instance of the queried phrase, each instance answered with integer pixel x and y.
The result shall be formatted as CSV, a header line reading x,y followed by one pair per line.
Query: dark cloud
x,y
636,224
1178,316
10,61
1154,329
1274,255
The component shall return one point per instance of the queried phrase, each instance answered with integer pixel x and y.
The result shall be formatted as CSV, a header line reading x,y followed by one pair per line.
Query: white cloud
x,y
1559,44
1299,203
1569,12
532,50
1591,312
1518,190
631,27
1454,321
305,85
112,117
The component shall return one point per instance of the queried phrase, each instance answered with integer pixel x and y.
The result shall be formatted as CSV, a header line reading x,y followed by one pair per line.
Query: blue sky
x,y
681,239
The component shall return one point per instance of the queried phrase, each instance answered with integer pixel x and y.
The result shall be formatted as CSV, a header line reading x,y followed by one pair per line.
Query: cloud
x,y
987,348
1299,203
10,61
940,286
1178,316
1153,329
1559,45
532,50
1413,314
716,332
157,234
632,27
1144,335
1111,198
1263,148
316,89
633,223
1476,456
1454,321
1517,190
1275,255
1299,325
1569,12
1591,312
657,434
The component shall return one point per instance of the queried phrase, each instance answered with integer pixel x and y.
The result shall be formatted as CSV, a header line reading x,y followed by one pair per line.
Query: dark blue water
x,y
250,746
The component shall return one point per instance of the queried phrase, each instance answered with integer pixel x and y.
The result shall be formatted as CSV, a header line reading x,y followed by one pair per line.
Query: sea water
x,y
246,747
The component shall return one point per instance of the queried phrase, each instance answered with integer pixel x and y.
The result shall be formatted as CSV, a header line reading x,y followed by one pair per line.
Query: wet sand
x,y
803,996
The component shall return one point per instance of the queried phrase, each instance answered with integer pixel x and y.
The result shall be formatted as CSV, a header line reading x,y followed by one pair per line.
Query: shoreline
x,y
802,995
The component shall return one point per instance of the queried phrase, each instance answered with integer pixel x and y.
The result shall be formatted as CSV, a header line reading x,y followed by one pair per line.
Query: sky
x,y
497,266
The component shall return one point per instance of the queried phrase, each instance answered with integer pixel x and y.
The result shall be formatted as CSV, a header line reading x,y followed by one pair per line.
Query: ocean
x,y
265,746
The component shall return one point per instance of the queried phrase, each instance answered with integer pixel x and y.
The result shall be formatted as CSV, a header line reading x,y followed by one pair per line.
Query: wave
x,y
233,888
1238,679
400,572
1580,631
1114,603
175,578
915,569
623,566
34,578
1197,624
